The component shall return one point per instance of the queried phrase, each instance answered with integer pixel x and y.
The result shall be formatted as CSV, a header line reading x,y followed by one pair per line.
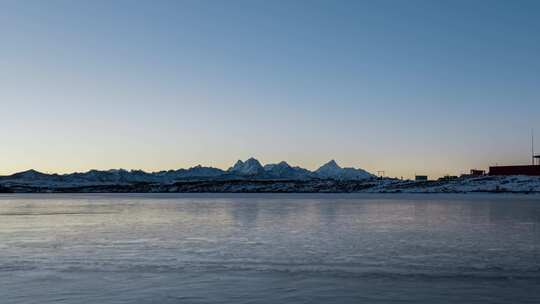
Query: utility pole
x,y
532,146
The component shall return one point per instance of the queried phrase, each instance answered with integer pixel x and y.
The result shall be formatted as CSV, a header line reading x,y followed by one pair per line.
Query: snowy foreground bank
x,y
503,184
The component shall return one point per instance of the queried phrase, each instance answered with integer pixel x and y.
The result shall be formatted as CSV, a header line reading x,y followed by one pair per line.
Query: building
x,y
515,170
476,172
447,178
473,173
421,178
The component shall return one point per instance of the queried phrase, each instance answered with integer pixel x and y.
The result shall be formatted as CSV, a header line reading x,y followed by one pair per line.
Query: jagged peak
x,y
280,165
252,160
250,167
332,164
283,164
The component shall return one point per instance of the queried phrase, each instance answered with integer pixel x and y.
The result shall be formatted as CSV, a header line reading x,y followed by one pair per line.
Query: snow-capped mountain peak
x,y
332,170
281,165
239,164
284,170
249,167
331,164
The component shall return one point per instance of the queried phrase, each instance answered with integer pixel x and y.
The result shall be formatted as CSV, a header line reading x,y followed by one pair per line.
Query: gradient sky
x,y
431,87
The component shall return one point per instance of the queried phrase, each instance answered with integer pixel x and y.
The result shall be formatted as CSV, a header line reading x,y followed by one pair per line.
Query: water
x,y
269,248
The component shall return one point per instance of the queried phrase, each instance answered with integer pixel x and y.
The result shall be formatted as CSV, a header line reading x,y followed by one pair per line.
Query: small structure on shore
x,y
476,172
447,178
420,178
473,173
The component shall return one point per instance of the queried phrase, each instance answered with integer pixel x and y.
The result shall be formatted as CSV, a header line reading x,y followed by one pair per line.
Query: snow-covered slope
x,y
511,183
332,170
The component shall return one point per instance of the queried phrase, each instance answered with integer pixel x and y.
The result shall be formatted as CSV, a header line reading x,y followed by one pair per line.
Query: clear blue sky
x,y
432,87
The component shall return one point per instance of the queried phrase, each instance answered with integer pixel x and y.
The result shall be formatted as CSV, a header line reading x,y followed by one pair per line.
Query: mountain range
x,y
249,169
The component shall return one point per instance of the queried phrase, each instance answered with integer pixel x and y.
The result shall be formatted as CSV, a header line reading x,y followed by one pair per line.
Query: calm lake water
x,y
269,248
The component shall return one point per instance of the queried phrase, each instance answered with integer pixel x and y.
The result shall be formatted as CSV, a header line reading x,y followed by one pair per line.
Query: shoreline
x,y
484,184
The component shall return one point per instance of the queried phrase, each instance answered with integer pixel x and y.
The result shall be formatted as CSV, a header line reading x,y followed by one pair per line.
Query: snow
x,y
516,183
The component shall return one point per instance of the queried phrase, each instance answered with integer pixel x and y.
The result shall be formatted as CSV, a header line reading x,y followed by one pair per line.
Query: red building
x,y
515,170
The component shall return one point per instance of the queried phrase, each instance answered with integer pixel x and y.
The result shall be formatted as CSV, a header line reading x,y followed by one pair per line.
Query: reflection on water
x,y
269,248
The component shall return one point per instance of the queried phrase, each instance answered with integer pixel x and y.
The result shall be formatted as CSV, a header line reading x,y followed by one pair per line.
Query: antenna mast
x,y
532,146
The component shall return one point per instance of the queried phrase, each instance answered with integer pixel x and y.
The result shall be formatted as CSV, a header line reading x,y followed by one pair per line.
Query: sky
x,y
408,87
